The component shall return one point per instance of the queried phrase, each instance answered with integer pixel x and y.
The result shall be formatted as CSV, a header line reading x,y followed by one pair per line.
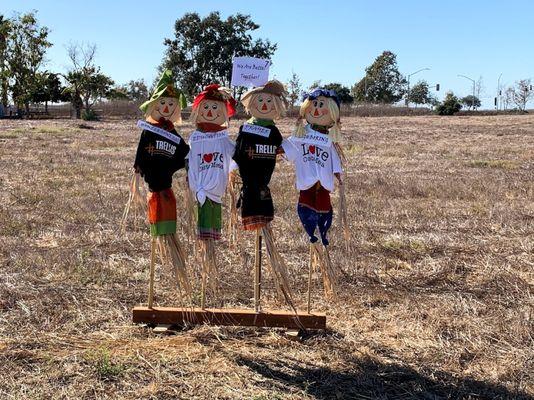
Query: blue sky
x,y
329,40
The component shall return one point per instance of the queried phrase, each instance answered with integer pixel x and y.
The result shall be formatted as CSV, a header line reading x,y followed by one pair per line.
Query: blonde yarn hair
x,y
278,103
334,131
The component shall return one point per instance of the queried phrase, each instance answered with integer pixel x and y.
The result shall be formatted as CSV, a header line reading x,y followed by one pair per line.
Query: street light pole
x,y
499,92
473,99
408,93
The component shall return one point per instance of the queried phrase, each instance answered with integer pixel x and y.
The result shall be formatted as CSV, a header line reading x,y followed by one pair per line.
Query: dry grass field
x,y
437,292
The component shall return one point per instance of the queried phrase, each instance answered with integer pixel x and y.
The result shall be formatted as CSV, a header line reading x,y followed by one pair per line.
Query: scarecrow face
x,y
211,111
165,107
262,106
318,114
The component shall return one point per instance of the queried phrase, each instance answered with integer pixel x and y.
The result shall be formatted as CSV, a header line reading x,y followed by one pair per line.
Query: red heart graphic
x,y
311,148
208,157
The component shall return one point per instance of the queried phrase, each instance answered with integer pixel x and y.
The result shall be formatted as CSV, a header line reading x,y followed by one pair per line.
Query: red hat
x,y
218,93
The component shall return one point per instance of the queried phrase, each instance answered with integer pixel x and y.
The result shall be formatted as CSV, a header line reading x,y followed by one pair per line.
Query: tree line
x,y
200,53
24,80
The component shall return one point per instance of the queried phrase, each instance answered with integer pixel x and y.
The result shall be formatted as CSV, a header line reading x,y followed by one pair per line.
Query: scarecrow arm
x,y
141,155
180,156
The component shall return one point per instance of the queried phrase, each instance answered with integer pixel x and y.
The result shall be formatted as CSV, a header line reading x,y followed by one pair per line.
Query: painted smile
x,y
164,114
211,119
319,116
263,112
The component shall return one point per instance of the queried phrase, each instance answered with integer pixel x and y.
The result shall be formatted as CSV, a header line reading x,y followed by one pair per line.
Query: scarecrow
x,y
315,152
257,145
209,165
160,153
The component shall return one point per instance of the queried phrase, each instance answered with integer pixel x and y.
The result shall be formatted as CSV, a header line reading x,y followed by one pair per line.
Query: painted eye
x,y
206,106
162,102
171,104
260,100
321,104
214,106
269,100
315,103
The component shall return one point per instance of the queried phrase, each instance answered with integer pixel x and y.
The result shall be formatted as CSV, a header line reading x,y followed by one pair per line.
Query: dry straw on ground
x,y
435,296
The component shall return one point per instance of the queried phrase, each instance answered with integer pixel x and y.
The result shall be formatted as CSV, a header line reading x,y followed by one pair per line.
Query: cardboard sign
x,y
250,71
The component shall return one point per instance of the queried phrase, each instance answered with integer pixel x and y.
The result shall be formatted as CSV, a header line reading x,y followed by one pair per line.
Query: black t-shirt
x,y
158,158
256,156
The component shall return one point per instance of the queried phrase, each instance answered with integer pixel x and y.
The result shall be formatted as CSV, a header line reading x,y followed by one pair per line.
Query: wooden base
x,y
233,317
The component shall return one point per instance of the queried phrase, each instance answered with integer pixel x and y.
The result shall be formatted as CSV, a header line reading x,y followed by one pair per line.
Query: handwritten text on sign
x,y
250,71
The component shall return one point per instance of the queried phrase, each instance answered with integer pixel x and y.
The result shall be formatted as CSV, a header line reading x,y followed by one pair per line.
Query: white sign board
x,y
250,71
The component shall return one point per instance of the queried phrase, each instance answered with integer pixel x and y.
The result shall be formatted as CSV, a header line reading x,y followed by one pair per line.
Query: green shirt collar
x,y
320,128
260,122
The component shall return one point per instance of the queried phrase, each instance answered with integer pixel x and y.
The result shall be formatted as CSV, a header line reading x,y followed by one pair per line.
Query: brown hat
x,y
273,87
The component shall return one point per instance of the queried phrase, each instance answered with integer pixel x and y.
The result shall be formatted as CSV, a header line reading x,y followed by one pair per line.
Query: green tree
x,y
471,102
522,93
202,49
137,90
5,28
450,105
343,92
383,83
26,48
419,93
86,84
315,84
48,88
118,93
294,89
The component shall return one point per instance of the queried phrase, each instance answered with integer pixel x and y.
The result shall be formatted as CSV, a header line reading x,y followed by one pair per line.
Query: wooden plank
x,y
231,317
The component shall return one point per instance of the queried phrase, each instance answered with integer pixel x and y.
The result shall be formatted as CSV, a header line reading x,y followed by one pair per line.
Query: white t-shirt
x,y
315,159
209,157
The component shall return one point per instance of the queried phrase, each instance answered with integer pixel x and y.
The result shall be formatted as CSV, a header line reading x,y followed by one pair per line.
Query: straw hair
x,y
278,103
334,131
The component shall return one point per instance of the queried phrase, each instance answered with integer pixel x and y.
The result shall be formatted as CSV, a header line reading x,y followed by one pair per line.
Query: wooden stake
x,y
310,277
152,268
204,275
228,317
257,272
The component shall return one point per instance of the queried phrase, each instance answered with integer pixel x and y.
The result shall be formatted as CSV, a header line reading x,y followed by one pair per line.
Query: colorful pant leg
x,y
209,220
162,212
311,220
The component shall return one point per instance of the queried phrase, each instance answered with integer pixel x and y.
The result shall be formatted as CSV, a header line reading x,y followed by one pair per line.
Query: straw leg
x,y
257,272
310,278
152,268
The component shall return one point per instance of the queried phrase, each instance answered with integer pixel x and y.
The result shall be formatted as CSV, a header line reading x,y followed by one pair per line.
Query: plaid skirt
x,y
257,208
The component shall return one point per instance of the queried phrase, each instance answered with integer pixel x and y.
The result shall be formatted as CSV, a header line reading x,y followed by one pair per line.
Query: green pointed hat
x,y
165,88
